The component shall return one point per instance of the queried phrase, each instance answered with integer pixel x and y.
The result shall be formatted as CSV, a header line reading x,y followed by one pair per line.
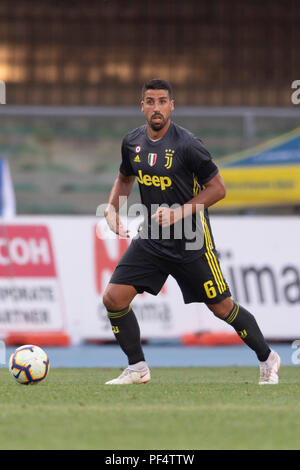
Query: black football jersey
x,y
170,171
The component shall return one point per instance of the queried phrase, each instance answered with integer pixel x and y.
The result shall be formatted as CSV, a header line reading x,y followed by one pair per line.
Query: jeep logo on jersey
x,y
152,158
162,182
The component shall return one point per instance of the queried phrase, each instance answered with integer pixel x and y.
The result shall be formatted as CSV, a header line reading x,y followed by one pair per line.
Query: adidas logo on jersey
x,y
162,182
137,159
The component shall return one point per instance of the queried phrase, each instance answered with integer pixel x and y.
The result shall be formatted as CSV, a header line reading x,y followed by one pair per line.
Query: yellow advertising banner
x,y
267,175
272,185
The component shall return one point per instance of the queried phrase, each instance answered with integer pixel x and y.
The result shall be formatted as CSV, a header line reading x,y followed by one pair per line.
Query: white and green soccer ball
x,y
29,364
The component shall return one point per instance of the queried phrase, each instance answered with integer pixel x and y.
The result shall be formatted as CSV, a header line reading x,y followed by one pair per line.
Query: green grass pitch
x,y
181,408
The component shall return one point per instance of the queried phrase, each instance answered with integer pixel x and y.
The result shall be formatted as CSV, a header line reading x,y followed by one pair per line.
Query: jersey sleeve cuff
x,y
214,173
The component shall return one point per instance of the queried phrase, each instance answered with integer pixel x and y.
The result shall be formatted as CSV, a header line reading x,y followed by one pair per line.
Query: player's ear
x,y
142,105
172,105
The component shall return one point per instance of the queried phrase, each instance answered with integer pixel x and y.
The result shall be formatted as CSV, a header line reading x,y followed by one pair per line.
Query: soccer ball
x,y
29,364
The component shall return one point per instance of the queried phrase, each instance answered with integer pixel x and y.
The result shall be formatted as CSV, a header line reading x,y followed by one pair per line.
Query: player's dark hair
x,y
157,84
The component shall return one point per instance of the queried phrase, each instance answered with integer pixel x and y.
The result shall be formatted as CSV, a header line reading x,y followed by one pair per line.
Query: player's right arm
x,y
120,191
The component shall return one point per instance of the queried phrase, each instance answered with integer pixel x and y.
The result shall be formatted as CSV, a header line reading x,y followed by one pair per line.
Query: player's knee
x,y
222,309
111,302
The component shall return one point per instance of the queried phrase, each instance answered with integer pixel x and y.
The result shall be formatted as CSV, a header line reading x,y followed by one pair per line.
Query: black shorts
x,y
200,280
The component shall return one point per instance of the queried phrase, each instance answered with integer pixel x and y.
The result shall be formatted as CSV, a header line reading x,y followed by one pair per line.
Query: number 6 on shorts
x,y
209,289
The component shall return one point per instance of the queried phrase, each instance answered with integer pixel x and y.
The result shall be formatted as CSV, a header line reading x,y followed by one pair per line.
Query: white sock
x,y
138,366
269,357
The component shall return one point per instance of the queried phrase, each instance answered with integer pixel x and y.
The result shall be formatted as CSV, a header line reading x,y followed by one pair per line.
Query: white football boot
x,y
130,376
269,369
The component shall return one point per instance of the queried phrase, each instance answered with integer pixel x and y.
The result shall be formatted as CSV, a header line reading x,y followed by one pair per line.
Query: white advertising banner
x,y
53,272
30,289
261,261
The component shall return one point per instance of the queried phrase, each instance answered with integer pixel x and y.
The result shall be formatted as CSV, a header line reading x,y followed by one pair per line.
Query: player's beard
x,y
157,126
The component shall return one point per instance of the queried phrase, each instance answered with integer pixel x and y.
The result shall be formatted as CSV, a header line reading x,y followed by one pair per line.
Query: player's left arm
x,y
198,160
213,191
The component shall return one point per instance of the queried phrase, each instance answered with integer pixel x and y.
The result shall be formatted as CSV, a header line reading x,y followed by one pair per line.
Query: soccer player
x,y
172,167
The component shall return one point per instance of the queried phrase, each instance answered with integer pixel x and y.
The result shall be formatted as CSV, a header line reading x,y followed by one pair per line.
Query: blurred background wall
x,y
55,56
215,52
73,73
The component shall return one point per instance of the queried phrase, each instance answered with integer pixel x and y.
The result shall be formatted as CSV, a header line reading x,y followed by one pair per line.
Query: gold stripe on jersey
x,y
196,188
214,263
214,268
211,257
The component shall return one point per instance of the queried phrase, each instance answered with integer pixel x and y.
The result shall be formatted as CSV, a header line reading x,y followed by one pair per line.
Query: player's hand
x,y
166,217
115,224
